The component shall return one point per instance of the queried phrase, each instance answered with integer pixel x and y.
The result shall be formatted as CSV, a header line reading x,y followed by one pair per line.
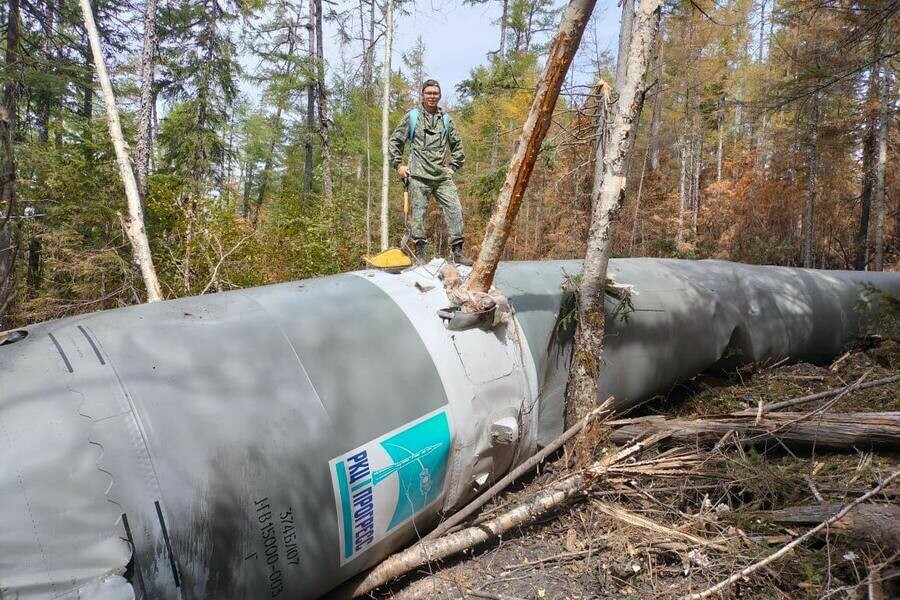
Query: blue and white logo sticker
x,y
384,483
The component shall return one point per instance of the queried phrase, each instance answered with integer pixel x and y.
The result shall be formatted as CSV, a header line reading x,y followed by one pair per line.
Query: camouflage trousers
x,y
444,191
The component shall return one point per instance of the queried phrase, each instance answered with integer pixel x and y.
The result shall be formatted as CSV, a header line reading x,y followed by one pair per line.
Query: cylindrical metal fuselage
x,y
275,441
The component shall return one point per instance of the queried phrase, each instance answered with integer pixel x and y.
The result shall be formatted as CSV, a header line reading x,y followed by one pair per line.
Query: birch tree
x,y
385,116
607,198
134,226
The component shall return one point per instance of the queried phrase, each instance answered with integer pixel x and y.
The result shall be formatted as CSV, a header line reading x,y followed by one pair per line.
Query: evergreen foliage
x,y
232,200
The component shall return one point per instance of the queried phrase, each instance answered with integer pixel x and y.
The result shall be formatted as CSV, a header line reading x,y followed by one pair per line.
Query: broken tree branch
x,y
548,499
819,396
787,548
636,520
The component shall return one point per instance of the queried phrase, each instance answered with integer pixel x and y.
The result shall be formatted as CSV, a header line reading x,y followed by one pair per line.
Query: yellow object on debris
x,y
389,260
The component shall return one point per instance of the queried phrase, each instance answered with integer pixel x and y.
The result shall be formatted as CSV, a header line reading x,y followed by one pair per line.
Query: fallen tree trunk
x,y
877,523
838,430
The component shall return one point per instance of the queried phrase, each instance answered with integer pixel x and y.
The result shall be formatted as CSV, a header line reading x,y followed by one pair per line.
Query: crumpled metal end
x,y
456,319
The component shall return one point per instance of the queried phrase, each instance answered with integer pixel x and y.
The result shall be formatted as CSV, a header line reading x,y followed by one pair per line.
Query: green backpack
x,y
414,120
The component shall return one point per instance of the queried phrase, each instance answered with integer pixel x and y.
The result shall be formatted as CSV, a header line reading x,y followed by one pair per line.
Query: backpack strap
x,y
413,117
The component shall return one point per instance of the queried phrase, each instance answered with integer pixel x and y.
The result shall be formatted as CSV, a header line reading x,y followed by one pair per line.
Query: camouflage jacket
x,y
427,153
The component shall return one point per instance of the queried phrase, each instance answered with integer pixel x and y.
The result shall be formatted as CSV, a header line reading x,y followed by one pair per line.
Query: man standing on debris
x,y
430,131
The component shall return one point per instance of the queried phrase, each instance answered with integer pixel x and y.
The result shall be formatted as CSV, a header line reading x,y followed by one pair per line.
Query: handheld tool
x,y
395,259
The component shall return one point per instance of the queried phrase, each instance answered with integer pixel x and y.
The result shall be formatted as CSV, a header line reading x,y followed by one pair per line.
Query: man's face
x,y
431,95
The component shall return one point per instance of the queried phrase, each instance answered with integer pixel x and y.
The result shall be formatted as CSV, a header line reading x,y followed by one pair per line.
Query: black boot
x,y
420,251
458,256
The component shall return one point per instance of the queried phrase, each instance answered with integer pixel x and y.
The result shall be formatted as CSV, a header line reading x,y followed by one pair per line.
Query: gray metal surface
x,y
221,437
689,315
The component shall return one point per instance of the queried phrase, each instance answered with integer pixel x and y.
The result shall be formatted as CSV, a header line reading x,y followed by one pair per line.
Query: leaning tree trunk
x,y
607,200
322,102
385,114
134,227
148,66
9,227
880,165
562,50
812,164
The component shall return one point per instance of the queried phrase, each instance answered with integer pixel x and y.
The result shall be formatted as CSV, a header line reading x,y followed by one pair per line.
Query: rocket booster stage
x,y
275,441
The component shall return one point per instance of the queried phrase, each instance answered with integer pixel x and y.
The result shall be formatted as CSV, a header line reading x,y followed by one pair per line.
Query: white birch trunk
x,y
608,196
385,116
134,227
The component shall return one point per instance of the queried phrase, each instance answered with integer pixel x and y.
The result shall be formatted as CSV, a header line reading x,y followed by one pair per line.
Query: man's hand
x,y
403,171
450,171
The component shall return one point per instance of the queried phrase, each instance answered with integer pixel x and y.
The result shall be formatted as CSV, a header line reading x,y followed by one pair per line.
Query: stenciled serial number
x,y
272,526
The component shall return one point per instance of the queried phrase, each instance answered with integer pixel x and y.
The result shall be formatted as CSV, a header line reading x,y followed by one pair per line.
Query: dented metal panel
x,y
275,441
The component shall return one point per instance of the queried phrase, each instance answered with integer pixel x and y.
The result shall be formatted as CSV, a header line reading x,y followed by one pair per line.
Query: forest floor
x,y
672,535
